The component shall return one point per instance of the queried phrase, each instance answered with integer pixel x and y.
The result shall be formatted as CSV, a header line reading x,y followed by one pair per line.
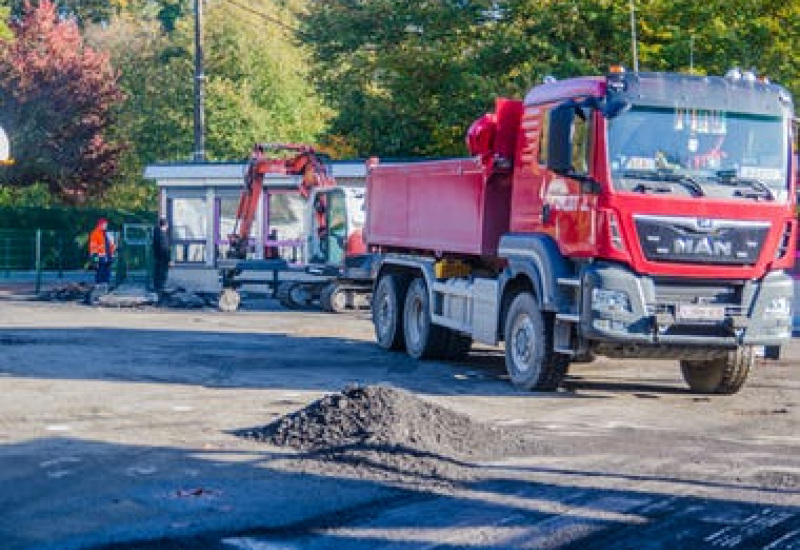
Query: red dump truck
x,y
642,215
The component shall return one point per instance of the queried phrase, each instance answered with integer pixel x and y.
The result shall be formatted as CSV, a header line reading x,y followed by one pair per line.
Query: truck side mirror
x,y
559,141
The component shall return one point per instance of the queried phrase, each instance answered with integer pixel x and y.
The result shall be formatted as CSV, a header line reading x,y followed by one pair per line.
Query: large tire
x,y
283,294
294,295
387,312
531,362
333,298
724,375
423,339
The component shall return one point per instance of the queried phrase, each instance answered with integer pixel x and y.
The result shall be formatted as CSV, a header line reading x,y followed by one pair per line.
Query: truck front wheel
x,y
724,375
387,312
530,360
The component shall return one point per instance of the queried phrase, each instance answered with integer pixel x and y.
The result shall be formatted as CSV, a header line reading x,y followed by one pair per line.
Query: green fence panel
x,y
34,254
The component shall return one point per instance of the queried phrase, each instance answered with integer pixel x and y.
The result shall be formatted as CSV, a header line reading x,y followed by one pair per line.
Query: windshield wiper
x,y
758,189
661,175
643,187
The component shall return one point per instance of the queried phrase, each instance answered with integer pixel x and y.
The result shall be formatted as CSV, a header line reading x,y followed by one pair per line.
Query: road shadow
x,y
72,493
224,359
217,359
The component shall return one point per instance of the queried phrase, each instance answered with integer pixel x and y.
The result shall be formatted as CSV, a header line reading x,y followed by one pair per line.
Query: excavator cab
x,y
336,222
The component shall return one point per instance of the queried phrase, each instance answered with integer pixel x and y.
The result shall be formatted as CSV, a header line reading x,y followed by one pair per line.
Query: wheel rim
x,y
229,300
415,321
522,343
385,313
339,301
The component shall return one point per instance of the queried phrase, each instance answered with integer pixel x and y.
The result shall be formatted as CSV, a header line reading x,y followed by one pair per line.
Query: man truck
x,y
640,215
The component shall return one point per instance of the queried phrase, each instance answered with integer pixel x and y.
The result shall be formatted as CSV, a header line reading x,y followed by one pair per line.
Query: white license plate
x,y
693,312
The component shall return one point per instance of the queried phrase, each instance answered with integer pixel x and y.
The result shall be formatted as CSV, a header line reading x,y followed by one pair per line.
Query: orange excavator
x,y
336,273
280,159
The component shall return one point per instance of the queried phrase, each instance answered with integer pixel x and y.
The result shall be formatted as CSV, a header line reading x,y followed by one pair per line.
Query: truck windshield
x,y
698,152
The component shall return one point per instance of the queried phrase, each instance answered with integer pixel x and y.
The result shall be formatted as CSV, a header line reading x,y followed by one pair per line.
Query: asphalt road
x,y
118,426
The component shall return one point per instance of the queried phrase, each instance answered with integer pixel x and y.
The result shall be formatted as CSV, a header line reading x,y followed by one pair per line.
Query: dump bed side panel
x,y
435,206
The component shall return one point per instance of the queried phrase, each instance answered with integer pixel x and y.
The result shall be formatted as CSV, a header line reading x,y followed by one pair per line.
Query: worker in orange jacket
x,y
101,249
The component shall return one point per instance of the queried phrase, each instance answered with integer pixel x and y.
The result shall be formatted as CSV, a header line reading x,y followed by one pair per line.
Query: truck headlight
x,y
611,301
778,307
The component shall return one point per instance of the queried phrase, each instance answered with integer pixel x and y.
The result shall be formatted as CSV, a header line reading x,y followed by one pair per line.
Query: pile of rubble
x,y
390,436
380,417
123,296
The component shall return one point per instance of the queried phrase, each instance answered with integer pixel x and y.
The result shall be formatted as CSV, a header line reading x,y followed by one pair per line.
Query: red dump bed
x,y
442,206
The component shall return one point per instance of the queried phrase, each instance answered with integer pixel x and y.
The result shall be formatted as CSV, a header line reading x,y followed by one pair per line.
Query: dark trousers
x,y
103,273
160,270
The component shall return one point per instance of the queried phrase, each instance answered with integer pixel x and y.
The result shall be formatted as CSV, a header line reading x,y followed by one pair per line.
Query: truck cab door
x,y
569,190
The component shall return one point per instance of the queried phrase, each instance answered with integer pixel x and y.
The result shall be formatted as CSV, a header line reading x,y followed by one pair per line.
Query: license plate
x,y
693,312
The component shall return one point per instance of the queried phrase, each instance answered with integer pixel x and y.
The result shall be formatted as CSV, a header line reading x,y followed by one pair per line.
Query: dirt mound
x,y
380,418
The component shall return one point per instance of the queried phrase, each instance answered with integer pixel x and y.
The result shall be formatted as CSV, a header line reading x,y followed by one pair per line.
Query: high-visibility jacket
x,y
98,239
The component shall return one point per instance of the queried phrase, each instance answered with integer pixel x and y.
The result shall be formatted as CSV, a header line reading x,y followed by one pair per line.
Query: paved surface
x,y
117,425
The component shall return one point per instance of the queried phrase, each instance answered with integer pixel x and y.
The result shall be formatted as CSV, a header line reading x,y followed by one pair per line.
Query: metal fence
x,y
37,256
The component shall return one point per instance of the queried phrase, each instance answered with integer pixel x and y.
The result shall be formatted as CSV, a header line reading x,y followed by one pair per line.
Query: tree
x,y
407,78
83,12
257,85
57,97
402,77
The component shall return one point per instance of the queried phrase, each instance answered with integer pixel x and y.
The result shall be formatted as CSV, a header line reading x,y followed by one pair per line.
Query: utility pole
x,y
633,39
199,82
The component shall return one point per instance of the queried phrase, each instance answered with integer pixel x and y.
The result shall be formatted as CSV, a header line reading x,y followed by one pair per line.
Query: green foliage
x,y
259,89
68,219
88,12
407,78
156,75
373,76
396,73
256,89
134,195
37,195
5,31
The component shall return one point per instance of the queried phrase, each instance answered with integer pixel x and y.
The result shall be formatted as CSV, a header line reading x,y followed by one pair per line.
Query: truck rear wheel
x,y
387,312
423,339
530,360
724,375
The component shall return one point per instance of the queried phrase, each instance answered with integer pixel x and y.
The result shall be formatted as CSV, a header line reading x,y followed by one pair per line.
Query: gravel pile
x,y
384,419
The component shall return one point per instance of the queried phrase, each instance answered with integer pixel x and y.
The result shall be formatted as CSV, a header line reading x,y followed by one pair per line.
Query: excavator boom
x,y
281,159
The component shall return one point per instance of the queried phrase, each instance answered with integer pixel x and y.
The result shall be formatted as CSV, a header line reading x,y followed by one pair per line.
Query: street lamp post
x,y
635,53
199,81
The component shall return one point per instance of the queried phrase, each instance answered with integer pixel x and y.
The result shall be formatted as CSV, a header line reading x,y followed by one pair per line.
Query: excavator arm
x,y
283,159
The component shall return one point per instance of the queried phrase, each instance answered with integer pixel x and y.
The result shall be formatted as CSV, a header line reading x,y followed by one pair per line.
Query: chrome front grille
x,y
700,240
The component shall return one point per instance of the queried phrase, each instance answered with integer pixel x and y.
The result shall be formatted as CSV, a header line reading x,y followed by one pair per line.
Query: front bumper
x,y
681,312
